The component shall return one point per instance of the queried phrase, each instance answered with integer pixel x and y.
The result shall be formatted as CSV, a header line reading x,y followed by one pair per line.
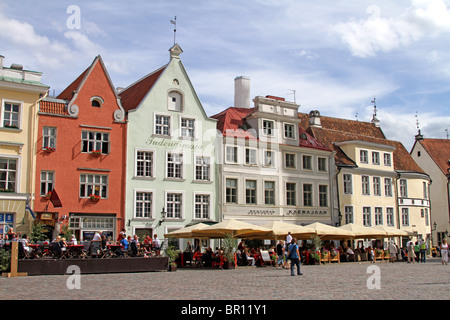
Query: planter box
x,y
93,265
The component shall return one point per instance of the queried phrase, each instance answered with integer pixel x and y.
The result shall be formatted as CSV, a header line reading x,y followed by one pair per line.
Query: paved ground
x,y
347,281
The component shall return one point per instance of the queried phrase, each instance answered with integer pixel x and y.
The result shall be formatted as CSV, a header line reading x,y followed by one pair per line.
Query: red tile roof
x,y
439,150
67,94
230,122
334,130
132,96
53,107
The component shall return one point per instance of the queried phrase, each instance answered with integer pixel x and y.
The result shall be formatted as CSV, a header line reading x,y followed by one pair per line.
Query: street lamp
x,y
163,217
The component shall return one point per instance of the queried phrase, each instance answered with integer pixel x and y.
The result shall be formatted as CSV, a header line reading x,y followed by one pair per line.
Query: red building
x,y
81,152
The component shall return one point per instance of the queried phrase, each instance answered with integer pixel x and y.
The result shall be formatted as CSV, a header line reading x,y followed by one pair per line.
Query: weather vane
x,y
374,107
174,22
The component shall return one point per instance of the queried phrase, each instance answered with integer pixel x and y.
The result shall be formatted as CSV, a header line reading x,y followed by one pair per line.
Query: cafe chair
x,y
218,261
23,254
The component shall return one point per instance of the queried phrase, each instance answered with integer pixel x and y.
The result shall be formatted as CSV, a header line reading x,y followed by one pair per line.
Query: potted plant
x,y
49,149
94,197
229,243
47,195
172,254
96,152
37,233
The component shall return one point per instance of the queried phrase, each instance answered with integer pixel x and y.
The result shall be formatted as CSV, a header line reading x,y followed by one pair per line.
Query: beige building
x,y
433,156
20,91
379,184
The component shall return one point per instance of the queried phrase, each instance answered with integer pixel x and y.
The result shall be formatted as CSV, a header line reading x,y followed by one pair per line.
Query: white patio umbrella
x,y
327,232
231,226
364,232
185,232
280,229
394,232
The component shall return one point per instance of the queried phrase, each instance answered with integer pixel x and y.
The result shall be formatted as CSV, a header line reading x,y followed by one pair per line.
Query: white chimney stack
x,y
242,92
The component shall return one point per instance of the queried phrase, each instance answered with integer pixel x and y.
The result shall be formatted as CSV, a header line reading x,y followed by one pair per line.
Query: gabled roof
x,y
132,96
231,120
439,150
333,130
68,93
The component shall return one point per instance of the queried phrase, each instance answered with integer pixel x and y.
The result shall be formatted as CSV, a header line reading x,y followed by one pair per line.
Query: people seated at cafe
x,y
156,244
73,240
249,257
24,241
207,256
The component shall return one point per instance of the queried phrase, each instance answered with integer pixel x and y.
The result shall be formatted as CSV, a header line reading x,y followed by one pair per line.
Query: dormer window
x,y
175,101
96,102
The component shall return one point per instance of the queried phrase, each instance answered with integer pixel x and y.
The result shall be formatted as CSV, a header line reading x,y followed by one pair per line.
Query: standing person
x,y
423,251
392,252
444,251
288,242
280,253
410,251
156,243
295,257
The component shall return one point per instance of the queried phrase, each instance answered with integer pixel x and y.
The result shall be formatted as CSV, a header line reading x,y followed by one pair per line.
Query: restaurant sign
x,y
289,212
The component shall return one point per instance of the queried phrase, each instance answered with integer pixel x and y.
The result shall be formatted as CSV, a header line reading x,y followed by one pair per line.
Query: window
x,y
365,185
363,156
427,220
92,184
387,159
47,182
202,168
11,114
376,186
250,156
289,160
174,205
231,191
291,194
187,128
307,195
289,131
269,158
322,164
269,192
48,137
174,101
348,185
323,196
202,206
143,204
378,216
425,190
367,220
95,103
92,141
162,125
144,164
8,173
390,217
375,158
307,162
405,216
250,192
175,165
348,213
231,154
268,127
388,187
403,188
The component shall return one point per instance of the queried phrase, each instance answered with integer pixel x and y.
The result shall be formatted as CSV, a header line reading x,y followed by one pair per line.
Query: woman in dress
x,y
444,251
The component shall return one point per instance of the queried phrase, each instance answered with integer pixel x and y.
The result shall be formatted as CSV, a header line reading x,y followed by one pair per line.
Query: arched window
x,y
96,102
175,101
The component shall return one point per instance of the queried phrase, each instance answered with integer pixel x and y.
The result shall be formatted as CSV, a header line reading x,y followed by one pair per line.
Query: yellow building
x,y
19,92
378,182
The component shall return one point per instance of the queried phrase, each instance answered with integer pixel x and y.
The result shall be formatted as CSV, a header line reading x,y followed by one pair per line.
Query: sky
x,y
328,55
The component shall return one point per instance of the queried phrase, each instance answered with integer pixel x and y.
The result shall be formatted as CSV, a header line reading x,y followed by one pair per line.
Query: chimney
x,y
419,136
314,118
242,92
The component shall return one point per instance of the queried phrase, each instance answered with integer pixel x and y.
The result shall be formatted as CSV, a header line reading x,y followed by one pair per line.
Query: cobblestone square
x,y
344,281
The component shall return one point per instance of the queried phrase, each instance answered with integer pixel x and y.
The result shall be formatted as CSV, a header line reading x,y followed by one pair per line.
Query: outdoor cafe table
x,y
113,248
76,250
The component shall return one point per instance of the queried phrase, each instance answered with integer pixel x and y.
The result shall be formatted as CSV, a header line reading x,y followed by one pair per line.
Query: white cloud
x,y
366,37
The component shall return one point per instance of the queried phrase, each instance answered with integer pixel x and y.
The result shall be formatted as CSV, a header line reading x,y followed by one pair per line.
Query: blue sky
x,y
336,55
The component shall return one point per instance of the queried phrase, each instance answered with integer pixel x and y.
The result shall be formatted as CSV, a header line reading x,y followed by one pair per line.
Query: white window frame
x,y
49,135
231,157
94,144
305,165
347,184
210,205
268,131
178,192
188,131
365,185
46,184
291,194
93,185
205,168
376,158
363,156
378,216
390,216
376,184
293,134
162,125
388,187
152,203
251,156
16,171
367,216
349,214
387,159
178,166
147,175
294,160
266,158
20,112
